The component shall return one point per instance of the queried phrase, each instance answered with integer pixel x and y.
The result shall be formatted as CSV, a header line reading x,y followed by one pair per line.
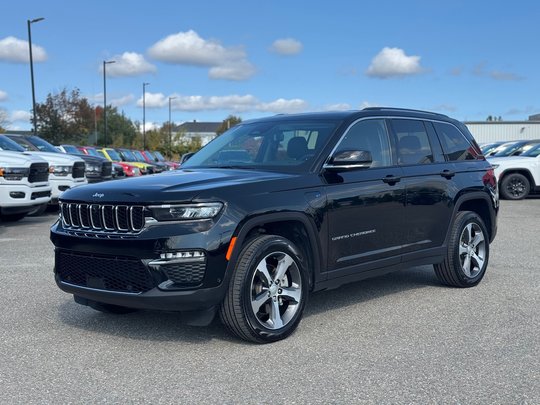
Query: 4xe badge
x,y
98,195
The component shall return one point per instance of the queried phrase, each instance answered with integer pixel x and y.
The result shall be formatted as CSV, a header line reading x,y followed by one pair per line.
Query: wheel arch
x,y
524,172
294,226
480,204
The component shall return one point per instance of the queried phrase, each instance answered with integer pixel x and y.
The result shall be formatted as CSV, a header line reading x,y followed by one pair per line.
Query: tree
x,y
121,131
3,120
228,123
66,117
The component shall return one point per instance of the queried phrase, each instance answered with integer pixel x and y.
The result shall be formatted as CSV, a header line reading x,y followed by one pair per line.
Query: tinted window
x,y
8,144
455,145
369,135
413,145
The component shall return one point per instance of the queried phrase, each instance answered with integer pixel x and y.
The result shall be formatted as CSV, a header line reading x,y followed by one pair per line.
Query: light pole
x,y
170,127
29,22
144,113
105,63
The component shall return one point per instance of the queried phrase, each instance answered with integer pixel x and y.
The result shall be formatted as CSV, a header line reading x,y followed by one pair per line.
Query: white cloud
x,y
337,107
149,126
16,50
121,101
393,62
3,95
234,103
286,46
20,116
188,48
128,64
480,70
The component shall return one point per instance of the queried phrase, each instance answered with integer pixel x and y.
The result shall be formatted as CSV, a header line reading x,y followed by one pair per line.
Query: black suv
x,y
277,207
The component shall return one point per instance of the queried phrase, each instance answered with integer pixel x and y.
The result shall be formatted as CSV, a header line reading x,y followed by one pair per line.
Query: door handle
x,y
448,174
390,179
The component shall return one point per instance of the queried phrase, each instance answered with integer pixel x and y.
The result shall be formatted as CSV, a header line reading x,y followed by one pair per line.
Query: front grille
x,y
38,172
185,274
106,218
109,273
78,170
106,169
40,194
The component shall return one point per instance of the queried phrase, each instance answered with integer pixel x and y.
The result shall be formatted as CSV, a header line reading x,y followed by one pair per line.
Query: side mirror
x,y
186,156
349,159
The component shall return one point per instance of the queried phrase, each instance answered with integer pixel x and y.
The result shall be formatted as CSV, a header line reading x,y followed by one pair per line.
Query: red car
x,y
129,170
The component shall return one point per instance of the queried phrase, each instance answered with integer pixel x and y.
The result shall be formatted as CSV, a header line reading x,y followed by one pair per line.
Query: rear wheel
x,y
515,186
468,252
268,291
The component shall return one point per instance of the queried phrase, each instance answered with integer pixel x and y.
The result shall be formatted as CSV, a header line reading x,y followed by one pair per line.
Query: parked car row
x,y
516,165
34,173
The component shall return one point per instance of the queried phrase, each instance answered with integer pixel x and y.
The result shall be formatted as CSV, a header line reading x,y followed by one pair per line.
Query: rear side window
x,y
455,145
413,145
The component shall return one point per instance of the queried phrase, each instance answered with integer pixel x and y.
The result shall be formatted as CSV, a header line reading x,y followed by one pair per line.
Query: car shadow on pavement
x,y
168,326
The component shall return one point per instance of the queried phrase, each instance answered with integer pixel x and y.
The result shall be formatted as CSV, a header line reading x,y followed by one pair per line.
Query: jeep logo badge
x,y
98,195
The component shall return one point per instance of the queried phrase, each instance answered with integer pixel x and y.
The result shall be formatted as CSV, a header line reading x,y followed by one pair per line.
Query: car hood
x,y
56,158
510,160
18,159
175,186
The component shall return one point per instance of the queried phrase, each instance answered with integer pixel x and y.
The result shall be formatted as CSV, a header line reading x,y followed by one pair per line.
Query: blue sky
x,y
467,59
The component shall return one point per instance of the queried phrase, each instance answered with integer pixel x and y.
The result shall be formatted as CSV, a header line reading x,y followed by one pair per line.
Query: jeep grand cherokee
x,y
277,207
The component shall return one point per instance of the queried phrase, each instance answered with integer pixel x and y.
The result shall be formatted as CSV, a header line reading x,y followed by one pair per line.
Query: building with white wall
x,y
492,131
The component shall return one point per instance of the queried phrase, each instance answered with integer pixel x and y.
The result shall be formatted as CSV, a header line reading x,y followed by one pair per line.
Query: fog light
x,y
17,194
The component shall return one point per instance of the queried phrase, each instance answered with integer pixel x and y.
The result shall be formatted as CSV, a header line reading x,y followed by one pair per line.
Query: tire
x,y
268,291
40,210
13,217
515,186
468,252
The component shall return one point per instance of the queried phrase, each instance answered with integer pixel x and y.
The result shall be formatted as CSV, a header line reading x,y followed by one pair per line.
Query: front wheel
x,y
268,291
468,252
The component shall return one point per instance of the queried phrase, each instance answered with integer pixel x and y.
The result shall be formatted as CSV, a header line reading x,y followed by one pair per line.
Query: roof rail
x,y
402,109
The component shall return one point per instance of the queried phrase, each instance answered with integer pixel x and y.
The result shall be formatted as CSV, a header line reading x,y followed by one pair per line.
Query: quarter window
x,y
455,146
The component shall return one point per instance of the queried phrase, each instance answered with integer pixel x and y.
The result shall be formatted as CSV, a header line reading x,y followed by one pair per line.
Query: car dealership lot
x,y
399,338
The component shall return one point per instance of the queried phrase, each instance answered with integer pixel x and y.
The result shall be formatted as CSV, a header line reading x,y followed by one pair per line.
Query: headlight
x,y
61,170
185,212
14,173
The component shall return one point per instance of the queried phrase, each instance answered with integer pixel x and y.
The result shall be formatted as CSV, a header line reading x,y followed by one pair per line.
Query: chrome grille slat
x,y
106,218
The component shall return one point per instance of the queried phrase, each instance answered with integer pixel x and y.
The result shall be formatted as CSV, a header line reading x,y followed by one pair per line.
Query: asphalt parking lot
x,y
400,338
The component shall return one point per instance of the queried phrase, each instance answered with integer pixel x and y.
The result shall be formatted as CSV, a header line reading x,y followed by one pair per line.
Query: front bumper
x,y
59,185
33,196
134,271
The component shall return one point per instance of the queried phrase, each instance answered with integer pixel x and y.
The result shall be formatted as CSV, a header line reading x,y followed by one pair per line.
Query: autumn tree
x,y
65,117
228,123
3,120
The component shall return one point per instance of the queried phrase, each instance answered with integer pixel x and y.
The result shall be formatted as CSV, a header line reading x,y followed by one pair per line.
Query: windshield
x,y
127,156
72,150
42,144
139,156
506,149
114,155
159,156
93,152
532,152
270,145
8,144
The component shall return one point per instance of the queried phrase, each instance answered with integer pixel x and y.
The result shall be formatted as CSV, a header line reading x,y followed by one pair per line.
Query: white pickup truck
x,y
24,185
65,171
518,176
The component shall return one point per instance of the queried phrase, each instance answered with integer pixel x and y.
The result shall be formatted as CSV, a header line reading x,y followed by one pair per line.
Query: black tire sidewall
x,y
469,217
275,244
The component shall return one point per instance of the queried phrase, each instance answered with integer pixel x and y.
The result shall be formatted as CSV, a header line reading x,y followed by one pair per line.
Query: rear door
x,y
428,180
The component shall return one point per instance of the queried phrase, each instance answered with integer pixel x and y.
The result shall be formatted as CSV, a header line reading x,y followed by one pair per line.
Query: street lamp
x,y
29,22
144,113
105,63
170,127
